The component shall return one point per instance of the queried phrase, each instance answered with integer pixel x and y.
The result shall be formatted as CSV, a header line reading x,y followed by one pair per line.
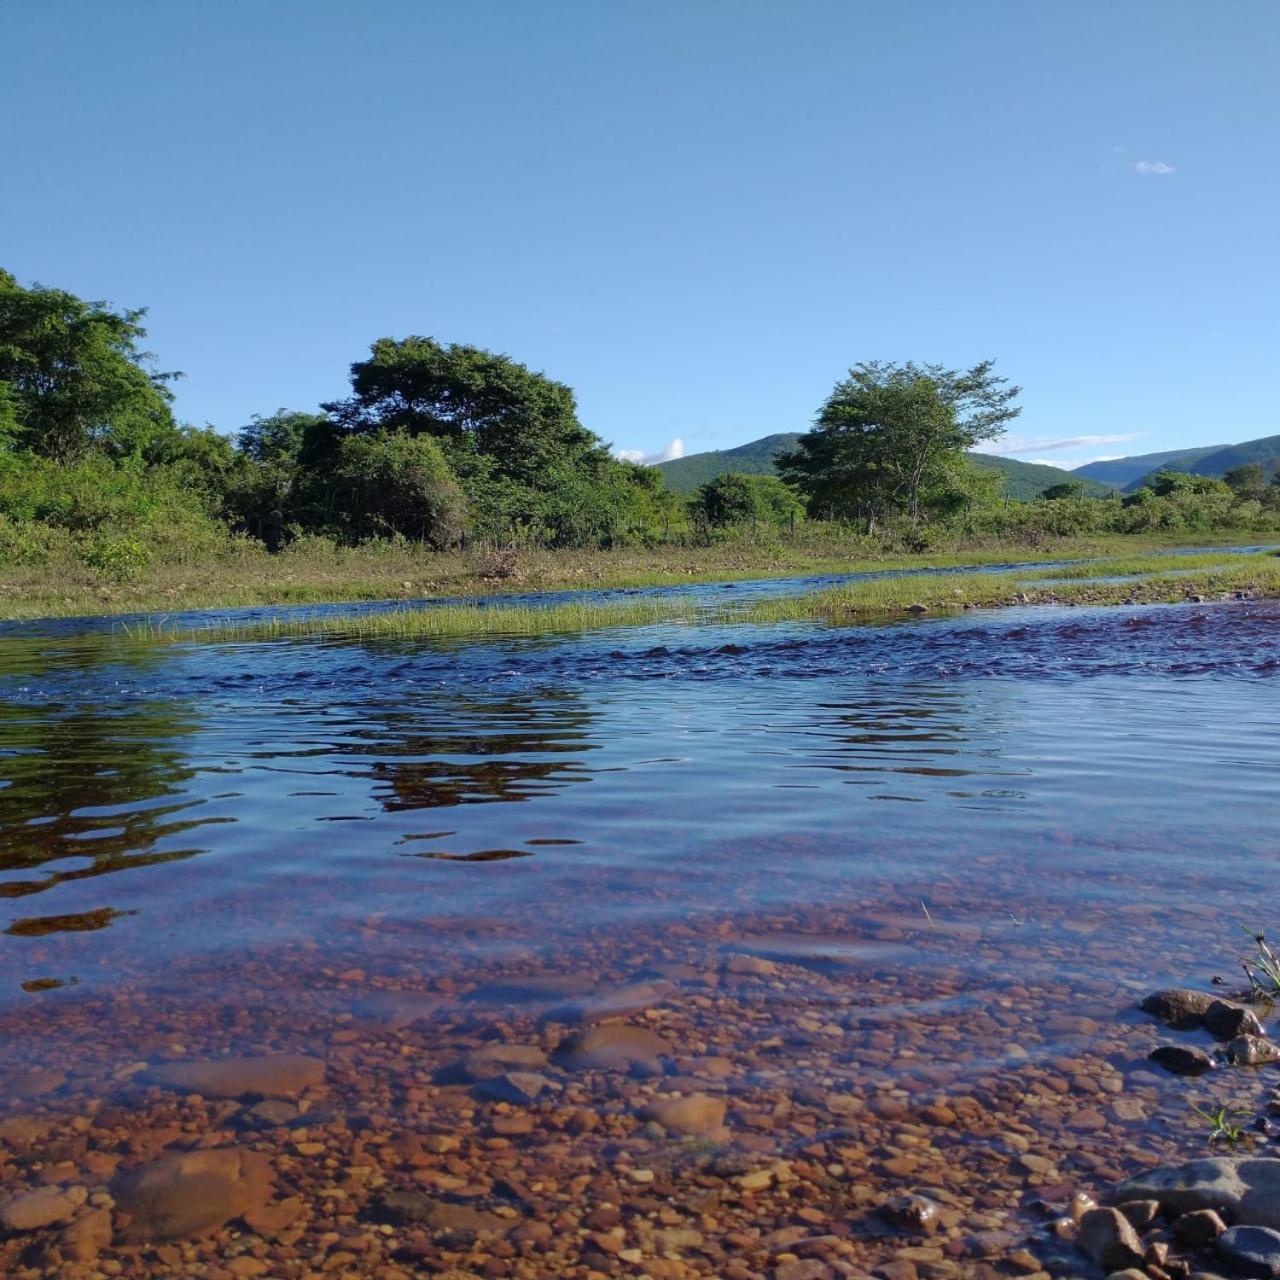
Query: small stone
x,y
284,1075
750,966
1179,1007
1108,1237
1253,1251
1252,1051
496,1060
42,1208
1199,1228
1182,1060
616,1046
916,608
86,1237
519,1087
698,1114
1141,1213
915,1213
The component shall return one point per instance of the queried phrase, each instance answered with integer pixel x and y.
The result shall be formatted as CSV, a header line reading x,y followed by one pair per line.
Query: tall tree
x,y
76,374
473,400
888,431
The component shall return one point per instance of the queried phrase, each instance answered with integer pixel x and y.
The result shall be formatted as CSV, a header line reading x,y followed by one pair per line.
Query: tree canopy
x,y
74,376
887,434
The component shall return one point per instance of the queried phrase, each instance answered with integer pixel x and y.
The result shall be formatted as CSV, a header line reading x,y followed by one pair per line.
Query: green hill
x,y
1208,460
683,475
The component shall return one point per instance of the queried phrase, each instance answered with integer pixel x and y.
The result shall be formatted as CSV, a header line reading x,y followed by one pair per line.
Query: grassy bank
x,y
313,571
1153,579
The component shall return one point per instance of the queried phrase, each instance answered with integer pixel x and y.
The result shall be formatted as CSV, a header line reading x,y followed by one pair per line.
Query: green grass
x,y
868,600
316,572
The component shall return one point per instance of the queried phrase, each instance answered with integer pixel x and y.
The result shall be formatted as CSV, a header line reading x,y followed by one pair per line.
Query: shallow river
x,y
881,898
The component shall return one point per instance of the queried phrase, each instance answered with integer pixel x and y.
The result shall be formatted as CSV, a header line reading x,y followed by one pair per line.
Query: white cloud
x,y
669,453
1020,444
1158,168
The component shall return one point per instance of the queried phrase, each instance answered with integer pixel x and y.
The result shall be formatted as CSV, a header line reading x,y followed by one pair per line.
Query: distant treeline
x,y
443,444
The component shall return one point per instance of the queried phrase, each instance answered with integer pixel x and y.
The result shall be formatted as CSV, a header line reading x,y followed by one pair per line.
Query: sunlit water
x,y
1051,808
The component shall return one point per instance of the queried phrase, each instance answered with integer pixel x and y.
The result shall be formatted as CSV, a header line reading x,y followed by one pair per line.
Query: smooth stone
x,y
615,1046
1254,1251
1252,1051
282,1075
1243,1189
42,1208
1181,1060
616,1002
191,1193
1226,1020
413,1208
1142,1213
493,1060
698,1114
275,1113
87,1236
1179,1007
1108,1238
915,1213
520,1087
1198,1229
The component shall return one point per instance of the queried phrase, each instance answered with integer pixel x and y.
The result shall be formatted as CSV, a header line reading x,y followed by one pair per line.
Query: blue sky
x,y
697,213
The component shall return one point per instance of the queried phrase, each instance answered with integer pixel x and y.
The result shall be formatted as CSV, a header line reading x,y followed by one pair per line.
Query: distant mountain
x,y
1209,460
1021,479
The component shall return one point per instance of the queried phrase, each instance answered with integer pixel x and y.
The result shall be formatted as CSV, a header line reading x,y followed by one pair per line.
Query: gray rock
x,y
1214,1183
520,1087
1108,1237
1253,1251
1179,1007
493,1060
1225,1020
281,1075
615,1046
1198,1229
1182,1059
915,1213
1252,1051
1142,1213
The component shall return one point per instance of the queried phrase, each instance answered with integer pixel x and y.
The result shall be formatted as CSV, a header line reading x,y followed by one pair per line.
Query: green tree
x,y
887,431
401,485
734,499
1067,490
473,401
1247,481
76,375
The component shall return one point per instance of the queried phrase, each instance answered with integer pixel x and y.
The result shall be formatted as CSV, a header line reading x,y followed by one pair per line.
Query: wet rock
x,y
284,1075
1198,1229
519,1087
616,1002
1216,1183
1253,1251
272,1219
698,1114
274,1113
1182,1060
1179,1007
413,1208
1142,1213
1225,1020
615,1046
916,608
493,1060
86,1237
1109,1239
1252,1051
43,1207
914,1213
190,1193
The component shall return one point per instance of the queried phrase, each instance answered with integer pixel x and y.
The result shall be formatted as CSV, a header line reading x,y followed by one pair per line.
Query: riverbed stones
x,y
87,1236
282,1075
461,1221
1242,1189
1108,1237
616,1046
913,1213
1252,1051
44,1207
494,1060
1225,1020
695,1115
1179,1007
1182,1059
190,1193
1199,1228
1253,1251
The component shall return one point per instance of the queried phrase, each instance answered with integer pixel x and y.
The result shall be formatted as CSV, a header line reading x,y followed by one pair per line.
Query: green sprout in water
x,y
1262,968
1222,1127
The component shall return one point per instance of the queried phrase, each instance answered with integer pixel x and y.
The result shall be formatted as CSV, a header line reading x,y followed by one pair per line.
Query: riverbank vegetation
x,y
452,470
